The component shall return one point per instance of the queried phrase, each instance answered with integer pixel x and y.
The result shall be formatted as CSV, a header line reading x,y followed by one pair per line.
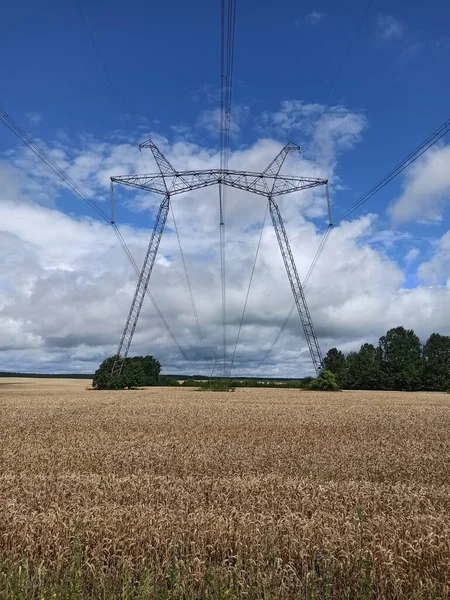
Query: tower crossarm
x,y
273,168
263,184
149,183
164,166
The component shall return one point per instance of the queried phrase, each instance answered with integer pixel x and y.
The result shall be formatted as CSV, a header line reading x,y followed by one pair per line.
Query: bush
x,y
326,381
166,380
216,385
191,383
137,371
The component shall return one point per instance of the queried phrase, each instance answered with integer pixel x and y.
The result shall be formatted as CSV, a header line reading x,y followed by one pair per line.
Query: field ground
x,y
173,493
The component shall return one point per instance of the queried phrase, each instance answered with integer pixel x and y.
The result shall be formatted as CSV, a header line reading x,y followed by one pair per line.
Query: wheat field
x,y
264,493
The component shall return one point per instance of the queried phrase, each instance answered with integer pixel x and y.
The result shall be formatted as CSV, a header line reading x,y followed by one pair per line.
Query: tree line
x,y
144,371
46,375
399,362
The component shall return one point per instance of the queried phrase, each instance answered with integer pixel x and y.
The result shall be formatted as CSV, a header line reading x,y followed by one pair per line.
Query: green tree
x,y
401,359
364,369
326,381
136,371
436,354
335,362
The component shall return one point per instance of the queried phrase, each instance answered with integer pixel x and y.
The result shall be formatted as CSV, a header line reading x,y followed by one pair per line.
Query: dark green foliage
x,y
326,381
216,385
47,375
364,369
255,383
436,354
401,359
137,371
292,383
399,362
336,362
168,381
191,383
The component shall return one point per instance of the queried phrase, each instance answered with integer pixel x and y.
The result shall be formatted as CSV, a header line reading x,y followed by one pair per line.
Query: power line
x,y
304,284
46,159
399,168
428,143
199,330
97,52
341,64
248,288
318,253
228,24
328,231
191,294
347,52
150,295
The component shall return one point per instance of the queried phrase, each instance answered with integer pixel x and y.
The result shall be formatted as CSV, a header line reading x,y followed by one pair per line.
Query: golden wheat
x,y
257,493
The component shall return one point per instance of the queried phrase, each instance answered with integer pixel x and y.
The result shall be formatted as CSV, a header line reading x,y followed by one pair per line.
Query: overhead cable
x,y
91,37
348,50
304,284
191,294
327,232
248,288
228,23
97,52
46,159
399,168
428,143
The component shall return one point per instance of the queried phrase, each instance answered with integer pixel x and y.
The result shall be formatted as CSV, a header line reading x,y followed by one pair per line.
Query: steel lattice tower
x,y
169,182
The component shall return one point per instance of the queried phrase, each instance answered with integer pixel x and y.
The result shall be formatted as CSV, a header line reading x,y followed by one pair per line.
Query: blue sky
x,y
163,61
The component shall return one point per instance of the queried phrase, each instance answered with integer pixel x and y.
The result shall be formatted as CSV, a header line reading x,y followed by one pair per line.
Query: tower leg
x,y
296,286
141,287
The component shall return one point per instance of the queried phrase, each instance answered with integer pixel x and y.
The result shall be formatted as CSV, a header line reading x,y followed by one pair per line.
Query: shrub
x,y
326,381
191,383
216,385
166,380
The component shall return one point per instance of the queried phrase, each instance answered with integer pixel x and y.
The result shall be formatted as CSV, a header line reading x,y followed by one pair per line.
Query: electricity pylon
x,y
169,182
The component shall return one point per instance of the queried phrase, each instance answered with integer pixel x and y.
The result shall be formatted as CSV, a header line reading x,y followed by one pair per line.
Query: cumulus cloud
x,y
426,189
66,286
331,130
437,269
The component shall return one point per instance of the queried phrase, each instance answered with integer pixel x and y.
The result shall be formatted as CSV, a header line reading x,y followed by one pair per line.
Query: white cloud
x,y
426,188
331,129
389,28
66,286
412,254
437,269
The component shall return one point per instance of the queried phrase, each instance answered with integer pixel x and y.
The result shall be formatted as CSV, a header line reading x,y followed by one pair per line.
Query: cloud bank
x,y
66,286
